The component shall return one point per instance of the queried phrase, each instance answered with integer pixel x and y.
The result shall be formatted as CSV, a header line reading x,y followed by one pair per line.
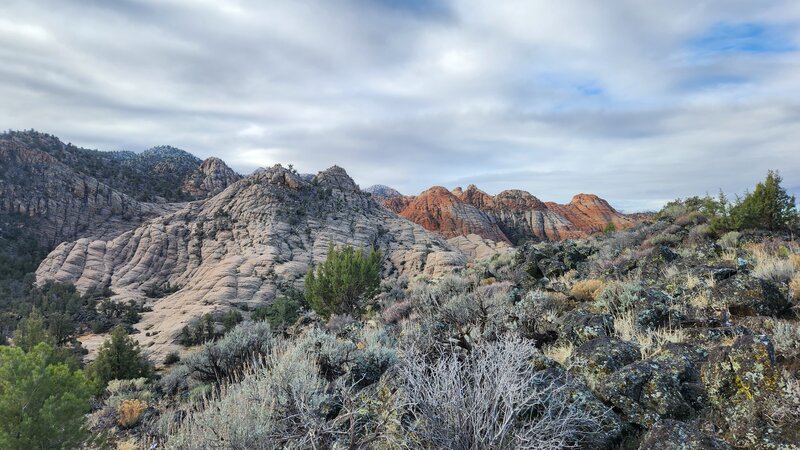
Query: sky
x,y
639,102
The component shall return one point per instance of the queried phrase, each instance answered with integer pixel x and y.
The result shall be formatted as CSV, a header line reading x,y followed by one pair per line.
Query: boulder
x,y
597,359
740,373
579,326
611,428
748,296
674,435
645,392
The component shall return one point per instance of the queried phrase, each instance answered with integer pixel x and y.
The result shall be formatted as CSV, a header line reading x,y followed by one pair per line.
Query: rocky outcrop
x,y
61,203
380,191
437,209
675,435
518,215
244,245
590,213
211,178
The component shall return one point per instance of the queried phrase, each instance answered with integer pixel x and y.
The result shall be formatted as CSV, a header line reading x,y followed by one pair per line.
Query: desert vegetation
x,y
683,325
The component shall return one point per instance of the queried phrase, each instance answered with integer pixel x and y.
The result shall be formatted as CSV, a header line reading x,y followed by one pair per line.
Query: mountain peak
x,y
382,191
336,177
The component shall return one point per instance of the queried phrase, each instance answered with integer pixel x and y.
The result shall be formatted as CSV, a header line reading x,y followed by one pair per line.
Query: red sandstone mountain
x,y
510,216
437,209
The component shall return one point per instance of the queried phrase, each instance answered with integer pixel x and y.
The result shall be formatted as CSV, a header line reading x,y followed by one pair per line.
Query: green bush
x,y
767,207
41,404
283,311
344,281
119,359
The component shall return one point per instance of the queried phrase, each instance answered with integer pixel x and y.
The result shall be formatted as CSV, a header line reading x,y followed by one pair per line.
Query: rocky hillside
x,y
511,216
64,192
242,246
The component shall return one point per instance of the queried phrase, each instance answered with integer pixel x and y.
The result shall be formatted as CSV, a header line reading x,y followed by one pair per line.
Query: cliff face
x,y
244,245
64,192
437,209
511,216
61,203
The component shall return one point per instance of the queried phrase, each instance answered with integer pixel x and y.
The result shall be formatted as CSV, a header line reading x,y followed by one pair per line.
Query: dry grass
x,y
795,259
586,290
692,281
127,445
772,263
700,300
130,411
670,273
729,254
559,353
649,341
795,287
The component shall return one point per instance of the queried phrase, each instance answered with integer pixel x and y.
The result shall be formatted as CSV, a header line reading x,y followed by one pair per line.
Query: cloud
x,y
638,102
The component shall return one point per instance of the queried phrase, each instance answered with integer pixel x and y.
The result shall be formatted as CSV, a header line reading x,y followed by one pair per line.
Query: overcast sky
x,y
636,101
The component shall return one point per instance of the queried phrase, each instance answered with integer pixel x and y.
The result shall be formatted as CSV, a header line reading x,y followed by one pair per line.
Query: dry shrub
x,y
487,399
795,287
649,341
127,445
586,290
692,218
559,353
398,311
130,411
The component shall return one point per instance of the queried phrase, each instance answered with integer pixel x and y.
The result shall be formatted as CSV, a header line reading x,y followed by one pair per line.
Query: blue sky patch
x,y
747,37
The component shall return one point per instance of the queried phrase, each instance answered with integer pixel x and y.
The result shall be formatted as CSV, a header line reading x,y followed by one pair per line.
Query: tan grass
x,y
559,353
700,300
649,341
130,411
586,290
794,285
692,281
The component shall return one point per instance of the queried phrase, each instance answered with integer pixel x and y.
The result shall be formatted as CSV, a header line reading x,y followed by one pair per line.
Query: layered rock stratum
x,y
243,246
512,216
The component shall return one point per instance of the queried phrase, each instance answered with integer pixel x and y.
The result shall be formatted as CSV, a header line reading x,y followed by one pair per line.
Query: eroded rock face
x,y
61,203
242,246
439,210
211,178
519,215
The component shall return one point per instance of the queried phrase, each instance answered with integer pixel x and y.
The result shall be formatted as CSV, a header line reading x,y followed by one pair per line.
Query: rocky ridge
x,y
64,192
242,247
511,216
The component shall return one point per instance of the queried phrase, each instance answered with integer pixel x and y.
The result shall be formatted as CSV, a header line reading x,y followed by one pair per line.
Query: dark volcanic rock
x,y
597,359
674,435
748,296
580,326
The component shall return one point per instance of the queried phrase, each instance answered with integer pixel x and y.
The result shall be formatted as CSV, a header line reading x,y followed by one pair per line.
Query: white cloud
x,y
553,97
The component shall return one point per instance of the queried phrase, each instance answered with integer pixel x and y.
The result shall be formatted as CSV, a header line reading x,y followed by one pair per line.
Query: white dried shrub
x,y
274,406
491,398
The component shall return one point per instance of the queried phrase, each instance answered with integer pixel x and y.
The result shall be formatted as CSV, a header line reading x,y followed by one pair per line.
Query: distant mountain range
x,y
512,216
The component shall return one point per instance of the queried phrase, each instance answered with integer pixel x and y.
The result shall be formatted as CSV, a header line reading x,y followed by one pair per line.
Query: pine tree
x,y
31,331
344,281
769,207
119,358
41,404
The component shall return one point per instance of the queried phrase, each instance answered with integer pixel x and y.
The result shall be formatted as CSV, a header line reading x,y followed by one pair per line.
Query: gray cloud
x,y
638,102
